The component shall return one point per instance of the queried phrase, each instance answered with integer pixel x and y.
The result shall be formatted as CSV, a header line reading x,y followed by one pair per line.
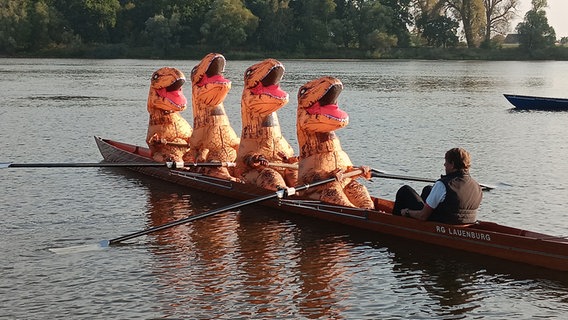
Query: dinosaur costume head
x,y
262,92
168,132
208,84
317,106
166,90
319,116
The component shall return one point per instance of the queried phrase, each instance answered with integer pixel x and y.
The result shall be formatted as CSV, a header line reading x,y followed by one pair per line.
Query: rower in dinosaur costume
x,y
213,138
261,138
168,132
321,155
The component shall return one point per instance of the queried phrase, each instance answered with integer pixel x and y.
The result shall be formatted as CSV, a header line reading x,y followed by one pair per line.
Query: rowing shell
x,y
486,238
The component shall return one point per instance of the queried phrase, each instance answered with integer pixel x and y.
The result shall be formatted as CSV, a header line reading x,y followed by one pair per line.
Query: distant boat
x,y
537,103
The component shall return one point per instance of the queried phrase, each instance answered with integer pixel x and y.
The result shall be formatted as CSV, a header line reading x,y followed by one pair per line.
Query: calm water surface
x,y
260,263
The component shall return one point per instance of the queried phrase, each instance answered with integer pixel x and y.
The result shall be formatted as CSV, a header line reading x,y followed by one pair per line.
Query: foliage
x,y
228,24
534,32
245,28
439,31
472,15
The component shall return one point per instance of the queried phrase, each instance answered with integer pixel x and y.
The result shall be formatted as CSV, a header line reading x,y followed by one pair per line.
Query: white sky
x,y
557,14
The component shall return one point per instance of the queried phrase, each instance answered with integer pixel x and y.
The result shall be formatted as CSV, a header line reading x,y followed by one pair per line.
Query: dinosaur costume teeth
x,y
213,138
321,155
168,132
261,136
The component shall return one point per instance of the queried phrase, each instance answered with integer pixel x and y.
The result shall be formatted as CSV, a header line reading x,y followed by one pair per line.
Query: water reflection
x,y
461,285
269,265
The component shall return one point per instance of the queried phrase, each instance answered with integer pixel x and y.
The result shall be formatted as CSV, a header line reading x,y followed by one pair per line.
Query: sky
x,y
557,14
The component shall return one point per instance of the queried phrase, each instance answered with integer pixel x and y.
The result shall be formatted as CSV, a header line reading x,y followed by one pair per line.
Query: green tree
x,y
342,27
439,31
159,30
401,18
311,28
92,20
534,32
376,24
15,29
47,27
228,24
275,17
380,42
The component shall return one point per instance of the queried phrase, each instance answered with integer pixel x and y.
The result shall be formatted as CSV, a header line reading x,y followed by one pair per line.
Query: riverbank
x,y
122,51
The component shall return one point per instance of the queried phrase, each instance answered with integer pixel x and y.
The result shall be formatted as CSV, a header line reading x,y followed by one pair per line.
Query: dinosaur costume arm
x,y
286,159
255,160
201,155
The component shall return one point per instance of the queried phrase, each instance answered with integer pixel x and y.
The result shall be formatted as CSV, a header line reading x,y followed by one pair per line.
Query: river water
x,y
260,263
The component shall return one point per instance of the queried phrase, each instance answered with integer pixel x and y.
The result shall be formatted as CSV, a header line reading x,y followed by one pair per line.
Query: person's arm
x,y
423,214
437,195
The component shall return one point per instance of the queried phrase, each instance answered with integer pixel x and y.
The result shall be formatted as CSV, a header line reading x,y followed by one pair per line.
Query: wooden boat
x,y
537,103
482,237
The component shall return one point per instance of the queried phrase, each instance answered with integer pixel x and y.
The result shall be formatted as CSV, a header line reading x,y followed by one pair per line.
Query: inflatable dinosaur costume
x,y
321,155
261,138
168,132
213,138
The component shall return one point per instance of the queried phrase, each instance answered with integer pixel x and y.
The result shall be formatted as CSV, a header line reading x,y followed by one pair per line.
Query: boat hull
x,y
537,103
486,238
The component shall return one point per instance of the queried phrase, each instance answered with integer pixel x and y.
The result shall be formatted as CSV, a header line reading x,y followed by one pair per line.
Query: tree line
x,y
321,28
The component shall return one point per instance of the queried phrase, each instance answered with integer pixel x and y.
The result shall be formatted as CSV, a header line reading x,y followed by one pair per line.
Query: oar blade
x,y
82,248
4,165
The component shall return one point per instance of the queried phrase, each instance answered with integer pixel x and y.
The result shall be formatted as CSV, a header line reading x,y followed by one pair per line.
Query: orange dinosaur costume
x,y
213,138
261,137
168,132
321,155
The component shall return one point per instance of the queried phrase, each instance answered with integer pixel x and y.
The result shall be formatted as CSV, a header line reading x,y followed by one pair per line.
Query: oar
x,y
278,194
381,174
4,165
171,165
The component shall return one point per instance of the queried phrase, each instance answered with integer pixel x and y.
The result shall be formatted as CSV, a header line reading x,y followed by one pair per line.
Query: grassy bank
x,y
122,51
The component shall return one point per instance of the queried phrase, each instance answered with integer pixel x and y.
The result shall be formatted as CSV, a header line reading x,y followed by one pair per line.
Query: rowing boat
x,y
486,238
537,103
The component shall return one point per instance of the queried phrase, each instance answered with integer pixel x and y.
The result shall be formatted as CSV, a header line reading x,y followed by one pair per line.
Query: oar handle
x,y
283,165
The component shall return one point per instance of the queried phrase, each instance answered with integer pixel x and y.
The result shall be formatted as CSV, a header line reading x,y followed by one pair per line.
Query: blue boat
x,y
537,103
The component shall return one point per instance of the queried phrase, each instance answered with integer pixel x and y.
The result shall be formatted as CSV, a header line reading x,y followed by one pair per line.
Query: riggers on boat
x,y
486,238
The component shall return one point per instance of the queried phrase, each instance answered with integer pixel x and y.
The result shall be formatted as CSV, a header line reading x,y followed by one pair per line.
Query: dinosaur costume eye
x,y
303,91
155,76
